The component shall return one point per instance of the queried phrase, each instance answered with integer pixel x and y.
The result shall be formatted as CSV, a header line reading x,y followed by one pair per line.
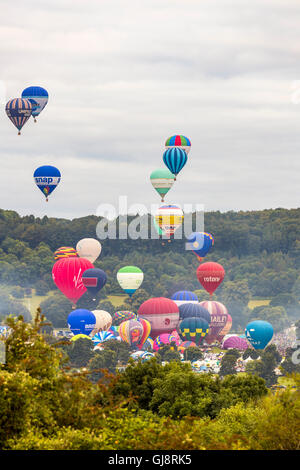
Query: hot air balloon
x,y
94,279
259,333
146,331
141,355
131,331
162,181
199,243
123,315
103,321
235,342
81,321
19,111
169,218
184,296
89,248
102,336
175,159
186,344
210,275
162,340
130,278
38,98
76,337
189,309
67,275
219,316
162,313
179,141
65,252
226,329
47,178
148,345
193,329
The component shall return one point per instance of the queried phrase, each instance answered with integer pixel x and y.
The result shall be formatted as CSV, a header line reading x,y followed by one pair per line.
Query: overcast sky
x,y
123,76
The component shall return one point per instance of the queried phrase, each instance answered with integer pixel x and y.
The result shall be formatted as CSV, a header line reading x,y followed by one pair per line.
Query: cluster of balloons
x,y
32,102
73,272
169,218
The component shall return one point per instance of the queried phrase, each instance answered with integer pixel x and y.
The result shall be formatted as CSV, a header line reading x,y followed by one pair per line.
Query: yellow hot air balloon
x,y
169,218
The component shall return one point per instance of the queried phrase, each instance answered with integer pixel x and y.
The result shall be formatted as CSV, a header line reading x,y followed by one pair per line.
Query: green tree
x,y
228,362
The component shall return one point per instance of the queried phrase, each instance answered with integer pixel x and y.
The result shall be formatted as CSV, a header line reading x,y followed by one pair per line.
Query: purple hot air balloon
x,y
235,342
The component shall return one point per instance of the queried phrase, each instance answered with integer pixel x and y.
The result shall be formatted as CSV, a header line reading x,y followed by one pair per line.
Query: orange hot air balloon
x,y
147,329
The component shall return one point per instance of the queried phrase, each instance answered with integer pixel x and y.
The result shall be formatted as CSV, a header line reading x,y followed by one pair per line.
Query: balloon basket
x,y
19,133
35,120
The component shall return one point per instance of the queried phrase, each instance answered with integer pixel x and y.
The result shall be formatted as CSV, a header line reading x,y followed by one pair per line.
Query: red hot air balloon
x,y
67,273
219,317
210,275
162,313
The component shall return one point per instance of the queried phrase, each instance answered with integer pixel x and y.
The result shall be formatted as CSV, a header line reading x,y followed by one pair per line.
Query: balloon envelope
x,y
200,243
38,97
89,248
81,321
19,111
131,331
162,181
219,316
189,309
146,331
65,252
175,158
102,336
169,218
94,279
103,321
210,275
123,315
184,296
226,328
67,275
178,141
259,333
46,178
162,313
130,278
235,342
193,329
162,340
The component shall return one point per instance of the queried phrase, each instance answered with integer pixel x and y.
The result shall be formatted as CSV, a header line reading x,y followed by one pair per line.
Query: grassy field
x,y
117,300
258,303
32,303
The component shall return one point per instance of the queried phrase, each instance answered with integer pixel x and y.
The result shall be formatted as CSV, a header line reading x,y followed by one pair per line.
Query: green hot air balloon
x,y
193,329
130,278
162,181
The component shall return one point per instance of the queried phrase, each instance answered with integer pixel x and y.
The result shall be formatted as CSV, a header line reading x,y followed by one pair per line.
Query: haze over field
x,y
124,76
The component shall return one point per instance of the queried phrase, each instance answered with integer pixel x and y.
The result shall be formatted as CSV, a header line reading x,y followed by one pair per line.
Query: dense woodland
x,y
260,251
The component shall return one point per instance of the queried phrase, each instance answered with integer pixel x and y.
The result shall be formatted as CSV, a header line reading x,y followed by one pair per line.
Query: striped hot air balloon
x,y
169,218
19,111
219,317
184,296
38,98
162,181
65,252
130,278
179,141
175,159
102,336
